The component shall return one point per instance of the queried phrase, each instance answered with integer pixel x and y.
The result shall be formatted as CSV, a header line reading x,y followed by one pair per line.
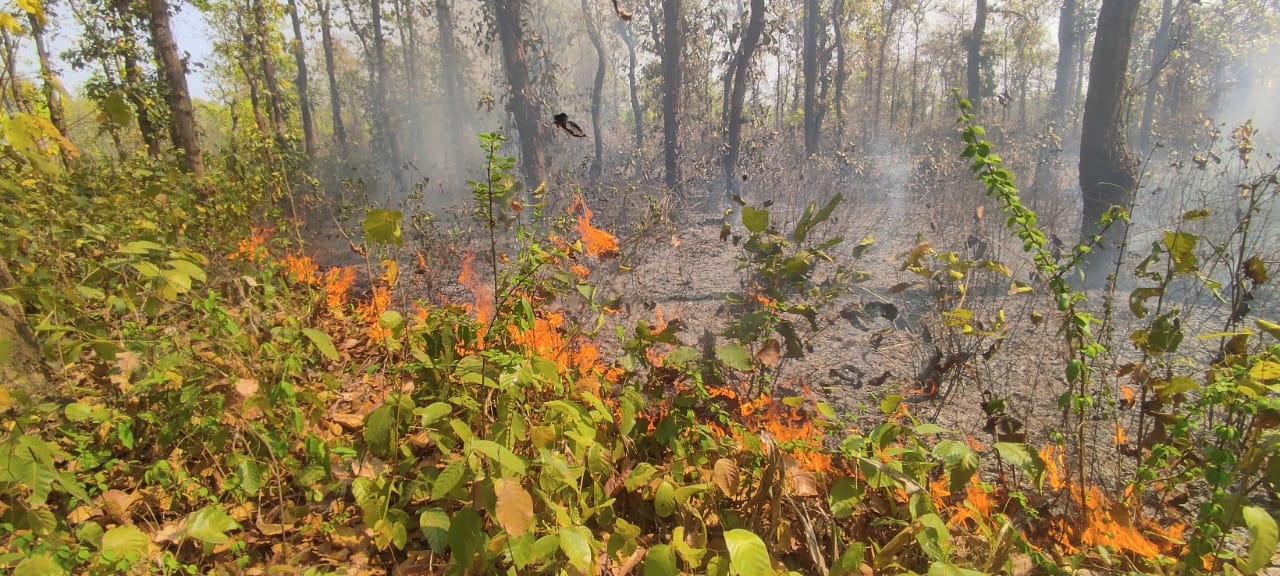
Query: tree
x,y
1108,169
672,82
738,93
1064,88
300,81
1161,46
451,71
183,120
335,96
508,15
637,113
811,127
593,33
973,62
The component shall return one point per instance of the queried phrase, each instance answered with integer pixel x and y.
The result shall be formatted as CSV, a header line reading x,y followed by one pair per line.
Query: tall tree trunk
x,y
637,112
593,33
300,81
275,105
1108,169
1160,49
812,10
1064,89
14,100
48,76
335,96
451,69
974,58
521,104
182,114
409,60
381,106
133,79
738,94
245,61
837,24
672,82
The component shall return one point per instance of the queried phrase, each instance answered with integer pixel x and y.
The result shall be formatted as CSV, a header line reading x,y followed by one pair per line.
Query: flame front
x,y
595,241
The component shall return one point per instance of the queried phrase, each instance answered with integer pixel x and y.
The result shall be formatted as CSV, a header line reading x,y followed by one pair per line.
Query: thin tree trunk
x,y
274,105
11,70
181,111
974,56
738,93
593,33
409,60
1064,89
300,81
672,81
837,24
133,80
47,76
380,97
451,68
811,18
1108,169
521,103
335,96
1160,49
637,112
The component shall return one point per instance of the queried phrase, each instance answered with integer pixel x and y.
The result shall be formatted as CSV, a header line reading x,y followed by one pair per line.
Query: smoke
x,y
1253,95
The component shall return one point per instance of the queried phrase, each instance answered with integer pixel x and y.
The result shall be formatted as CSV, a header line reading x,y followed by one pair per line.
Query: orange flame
x,y
595,241
484,298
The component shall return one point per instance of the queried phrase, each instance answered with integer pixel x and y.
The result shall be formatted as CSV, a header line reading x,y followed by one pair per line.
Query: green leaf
x,y
508,460
435,528
140,247
382,226
41,565
380,430
1182,246
664,499
734,356
322,342
78,412
116,111
941,568
466,536
755,219
448,478
640,476
124,543
433,412
1022,456
960,461
747,553
1263,539
209,525
660,560
845,496
575,541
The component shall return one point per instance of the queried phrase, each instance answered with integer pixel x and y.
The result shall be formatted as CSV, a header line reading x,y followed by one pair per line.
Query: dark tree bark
x,y
134,88
47,76
637,112
593,33
301,83
811,18
837,24
1064,88
409,60
275,105
451,69
245,61
672,82
521,104
1160,49
182,113
335,96
974,56
1108,169
386,132
738,94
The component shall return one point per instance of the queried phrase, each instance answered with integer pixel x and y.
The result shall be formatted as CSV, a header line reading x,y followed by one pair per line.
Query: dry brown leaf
x,y
800,482
246,387
769,353
117,504
126,363
725,475
514,507
351,422
170,532
899,287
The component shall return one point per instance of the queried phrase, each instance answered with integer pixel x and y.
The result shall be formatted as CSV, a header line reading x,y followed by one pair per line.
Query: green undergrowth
x,y
218,403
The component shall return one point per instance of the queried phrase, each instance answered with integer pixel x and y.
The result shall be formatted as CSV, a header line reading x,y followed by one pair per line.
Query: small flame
x,y
484,297
595,241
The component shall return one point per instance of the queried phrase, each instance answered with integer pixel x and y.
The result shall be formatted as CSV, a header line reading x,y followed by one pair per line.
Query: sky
x,y
188,30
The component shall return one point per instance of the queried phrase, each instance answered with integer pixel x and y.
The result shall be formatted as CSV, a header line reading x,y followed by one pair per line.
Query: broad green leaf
x,y
322,342
514,507
664,499
140,247
660,560
466,536
1263,539
382,226
124,543
960,461
734,356
210,525
448,478
747,553
640,476
756,220
42,565
1269,327
575,541
116,111
505,458
77,411
380,430
434,523
1022,456
433,412
941,568
1182,250
845,496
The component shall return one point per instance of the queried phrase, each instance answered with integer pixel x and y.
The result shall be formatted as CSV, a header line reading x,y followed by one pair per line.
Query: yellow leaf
x,y
390,272
1265,370
10,24
514,507
32,7
6,400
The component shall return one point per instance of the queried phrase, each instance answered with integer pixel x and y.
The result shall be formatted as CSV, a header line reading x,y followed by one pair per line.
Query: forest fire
x,y
595,241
